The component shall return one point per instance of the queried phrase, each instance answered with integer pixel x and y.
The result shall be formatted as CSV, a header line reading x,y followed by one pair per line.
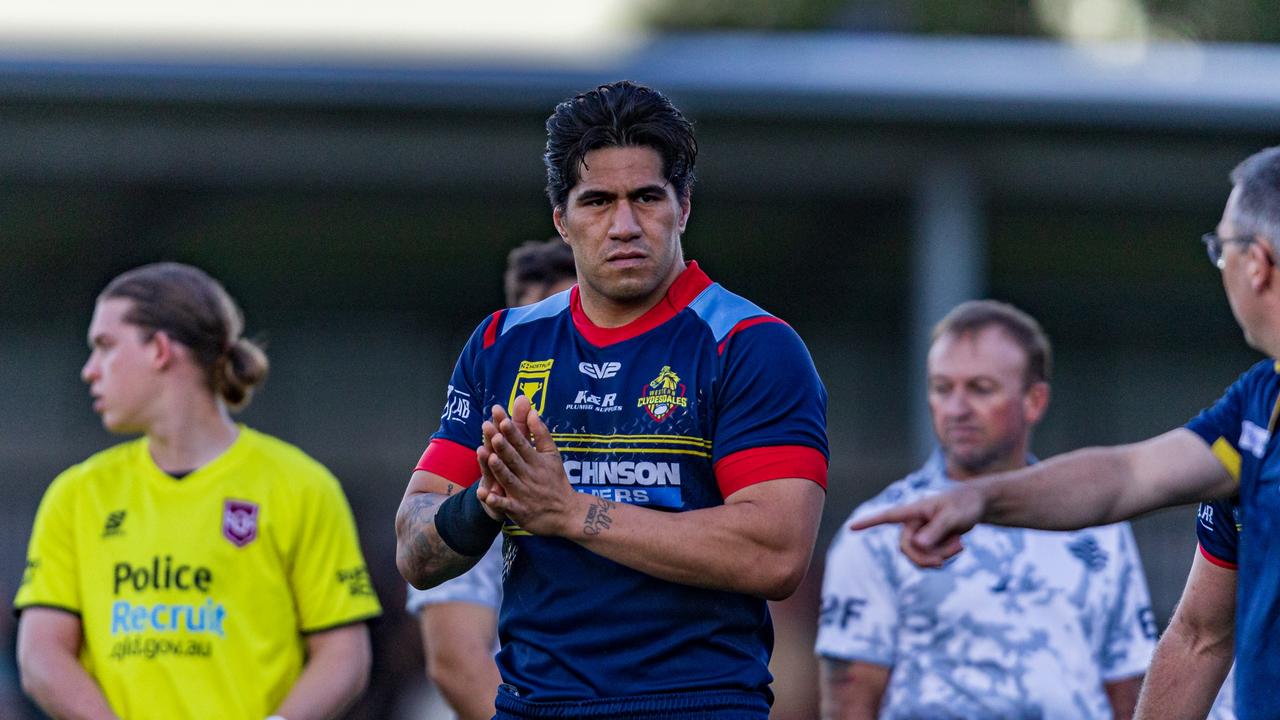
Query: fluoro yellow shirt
x,y
196,594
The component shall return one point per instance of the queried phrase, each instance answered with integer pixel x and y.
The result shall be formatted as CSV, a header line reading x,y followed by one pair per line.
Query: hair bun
x,y
245,368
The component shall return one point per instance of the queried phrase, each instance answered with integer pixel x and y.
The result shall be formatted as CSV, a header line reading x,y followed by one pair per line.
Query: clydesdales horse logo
x,y
662,395
239,521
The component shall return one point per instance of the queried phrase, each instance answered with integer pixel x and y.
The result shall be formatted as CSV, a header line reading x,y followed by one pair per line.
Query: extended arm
x,y
458,639
758,542
1196,651
852,690
337,671
1084,488
421,556
48,659
1097,486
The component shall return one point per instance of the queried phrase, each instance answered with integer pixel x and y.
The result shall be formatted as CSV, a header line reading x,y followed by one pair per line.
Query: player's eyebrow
x,y
648,190
591,195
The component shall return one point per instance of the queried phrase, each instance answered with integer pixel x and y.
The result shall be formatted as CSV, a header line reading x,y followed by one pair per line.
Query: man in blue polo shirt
x,y
653,449
1227,449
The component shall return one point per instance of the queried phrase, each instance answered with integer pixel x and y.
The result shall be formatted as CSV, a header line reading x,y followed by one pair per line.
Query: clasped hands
x,y
522,475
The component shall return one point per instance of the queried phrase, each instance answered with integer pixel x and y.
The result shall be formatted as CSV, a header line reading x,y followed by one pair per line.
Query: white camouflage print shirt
x,y
1022,625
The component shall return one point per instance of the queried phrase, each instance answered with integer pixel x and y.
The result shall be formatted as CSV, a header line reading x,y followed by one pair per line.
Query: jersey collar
x,y
691,282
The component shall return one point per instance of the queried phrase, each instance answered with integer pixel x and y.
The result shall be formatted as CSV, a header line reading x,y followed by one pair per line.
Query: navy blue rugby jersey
x,y
1240,430
1218,532
703,395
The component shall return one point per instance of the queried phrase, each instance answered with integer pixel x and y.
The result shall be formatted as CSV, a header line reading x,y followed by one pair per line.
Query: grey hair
x,y
1258,203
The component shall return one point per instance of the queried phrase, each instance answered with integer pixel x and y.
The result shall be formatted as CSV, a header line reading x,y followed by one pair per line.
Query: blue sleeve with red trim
x,y
1218,530
769,393
451,452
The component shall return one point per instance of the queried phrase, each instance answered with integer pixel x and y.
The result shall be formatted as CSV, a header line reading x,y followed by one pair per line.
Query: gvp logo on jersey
x,y
603,371
663,394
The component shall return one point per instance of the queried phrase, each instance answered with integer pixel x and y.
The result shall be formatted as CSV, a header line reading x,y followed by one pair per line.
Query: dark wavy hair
x,y
620,114
537,263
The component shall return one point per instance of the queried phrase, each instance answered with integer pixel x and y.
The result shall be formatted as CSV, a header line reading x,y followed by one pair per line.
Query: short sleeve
x,y
52,576
859,616
770,400
1222,424
1218,532
451,451
1131,628
330,581
481,585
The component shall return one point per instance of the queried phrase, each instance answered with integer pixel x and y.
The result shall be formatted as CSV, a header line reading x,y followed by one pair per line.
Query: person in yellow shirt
x,y
203,570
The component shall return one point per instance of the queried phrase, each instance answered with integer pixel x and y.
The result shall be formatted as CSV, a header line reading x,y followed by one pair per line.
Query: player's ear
x,y
162,350
1261,263
1035,401
557,218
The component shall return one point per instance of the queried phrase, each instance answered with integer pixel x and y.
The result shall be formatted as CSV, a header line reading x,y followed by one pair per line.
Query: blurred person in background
x,y
1186,679
203,570
1227,450
1050,625
459,618
678,461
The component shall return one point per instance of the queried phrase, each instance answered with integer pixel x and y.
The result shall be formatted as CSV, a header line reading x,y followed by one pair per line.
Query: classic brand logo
x,y
239,521
457,406
114,521
603,371
663,394
1206,516
531,381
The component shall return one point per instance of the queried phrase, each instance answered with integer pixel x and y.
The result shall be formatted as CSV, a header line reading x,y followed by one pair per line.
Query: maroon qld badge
x,y
239,521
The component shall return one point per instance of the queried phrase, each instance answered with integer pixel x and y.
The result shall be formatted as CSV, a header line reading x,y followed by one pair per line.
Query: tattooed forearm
x,y
421,556
598,519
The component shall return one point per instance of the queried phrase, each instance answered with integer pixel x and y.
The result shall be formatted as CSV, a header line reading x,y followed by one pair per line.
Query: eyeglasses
x,y
1214,245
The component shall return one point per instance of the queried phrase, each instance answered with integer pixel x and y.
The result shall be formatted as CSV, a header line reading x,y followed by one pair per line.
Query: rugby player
x,y
459,618
653,449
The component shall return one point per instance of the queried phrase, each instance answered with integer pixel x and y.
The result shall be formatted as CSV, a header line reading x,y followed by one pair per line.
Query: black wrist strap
x,y
464,526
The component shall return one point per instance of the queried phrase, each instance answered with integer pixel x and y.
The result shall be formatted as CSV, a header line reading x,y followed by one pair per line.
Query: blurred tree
x,y
1207,20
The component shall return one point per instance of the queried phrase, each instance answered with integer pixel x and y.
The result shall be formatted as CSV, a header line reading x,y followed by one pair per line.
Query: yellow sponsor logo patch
x,y
531,381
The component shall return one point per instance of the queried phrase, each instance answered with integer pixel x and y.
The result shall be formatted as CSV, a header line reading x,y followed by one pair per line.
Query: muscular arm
x,y
758,542
1195,653
852,690
421,556
1095,486
458,638
48,659
337,671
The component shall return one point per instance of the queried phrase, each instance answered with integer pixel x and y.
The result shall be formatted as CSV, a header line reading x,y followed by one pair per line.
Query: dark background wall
x,y
366,240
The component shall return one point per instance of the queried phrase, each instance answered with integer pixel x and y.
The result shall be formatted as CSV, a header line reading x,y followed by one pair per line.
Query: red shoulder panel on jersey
x,y
743,326
451,461
757,465
1216,561
491,332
